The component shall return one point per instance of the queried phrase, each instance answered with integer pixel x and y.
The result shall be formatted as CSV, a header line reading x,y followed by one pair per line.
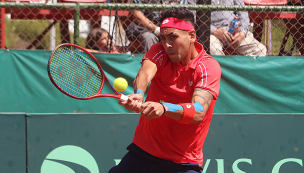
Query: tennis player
x,y
175,117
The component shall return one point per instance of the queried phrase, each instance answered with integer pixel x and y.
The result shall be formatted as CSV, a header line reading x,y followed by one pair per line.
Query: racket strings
x,y
75,72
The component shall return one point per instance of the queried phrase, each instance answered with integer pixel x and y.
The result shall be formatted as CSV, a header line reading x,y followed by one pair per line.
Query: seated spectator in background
x,y
242,42
98,41
142,26
143,30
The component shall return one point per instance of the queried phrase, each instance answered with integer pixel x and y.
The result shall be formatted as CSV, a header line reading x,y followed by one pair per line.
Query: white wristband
x,y
157,31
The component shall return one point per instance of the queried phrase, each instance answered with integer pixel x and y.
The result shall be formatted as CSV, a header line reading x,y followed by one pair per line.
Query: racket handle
x,y
124,97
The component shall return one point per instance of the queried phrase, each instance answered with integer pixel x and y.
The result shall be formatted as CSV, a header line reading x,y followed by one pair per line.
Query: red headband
x,y
171,22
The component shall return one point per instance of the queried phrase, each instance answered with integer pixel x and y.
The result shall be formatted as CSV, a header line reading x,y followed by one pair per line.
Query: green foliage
x,y
19,34
278,33
278,30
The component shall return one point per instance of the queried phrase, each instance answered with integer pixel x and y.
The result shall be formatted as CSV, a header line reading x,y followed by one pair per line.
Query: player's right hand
x,y
133,103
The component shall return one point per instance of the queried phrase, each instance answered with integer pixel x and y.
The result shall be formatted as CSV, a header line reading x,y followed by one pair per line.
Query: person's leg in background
x,y
147,40
140,38
251,47
216,46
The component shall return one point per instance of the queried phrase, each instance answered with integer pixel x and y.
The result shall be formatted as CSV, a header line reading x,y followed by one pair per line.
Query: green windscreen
x,y
265,85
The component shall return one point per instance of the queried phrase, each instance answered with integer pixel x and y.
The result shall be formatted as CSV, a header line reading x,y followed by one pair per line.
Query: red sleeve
x,y
156,54
208,76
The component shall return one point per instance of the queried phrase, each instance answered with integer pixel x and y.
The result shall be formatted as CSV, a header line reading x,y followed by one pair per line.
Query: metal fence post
x,y
2,23
76,24
203,25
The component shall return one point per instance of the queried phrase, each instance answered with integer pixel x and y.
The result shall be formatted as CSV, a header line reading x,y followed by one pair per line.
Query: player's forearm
x,y
185,113
141,82
177,115
144,76
194,111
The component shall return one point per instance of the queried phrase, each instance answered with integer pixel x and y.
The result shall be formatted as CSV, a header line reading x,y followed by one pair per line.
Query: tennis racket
x,y
76,72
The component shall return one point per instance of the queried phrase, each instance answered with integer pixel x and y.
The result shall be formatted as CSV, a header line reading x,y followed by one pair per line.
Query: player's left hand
x,y
152,110
237,39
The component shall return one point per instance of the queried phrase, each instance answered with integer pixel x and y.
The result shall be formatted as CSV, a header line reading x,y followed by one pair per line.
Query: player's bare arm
x,y
201,100
205,98
141,82
144,76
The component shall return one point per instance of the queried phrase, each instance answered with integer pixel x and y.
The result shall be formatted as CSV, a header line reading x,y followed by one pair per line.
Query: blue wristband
x,y
140,91
198,106
175,107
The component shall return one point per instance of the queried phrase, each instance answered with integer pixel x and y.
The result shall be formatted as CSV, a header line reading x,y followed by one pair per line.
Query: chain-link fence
x,y
269,27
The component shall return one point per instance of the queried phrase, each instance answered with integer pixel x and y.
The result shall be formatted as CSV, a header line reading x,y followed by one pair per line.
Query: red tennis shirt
x,y
165,137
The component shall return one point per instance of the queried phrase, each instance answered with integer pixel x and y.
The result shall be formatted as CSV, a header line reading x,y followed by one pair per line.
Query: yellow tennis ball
x,y
120,84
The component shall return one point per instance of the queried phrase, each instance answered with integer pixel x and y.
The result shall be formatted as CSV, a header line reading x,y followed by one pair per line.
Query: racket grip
x,y
124,97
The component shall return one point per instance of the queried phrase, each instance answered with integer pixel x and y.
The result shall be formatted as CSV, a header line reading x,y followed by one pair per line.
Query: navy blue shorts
x,y
139,161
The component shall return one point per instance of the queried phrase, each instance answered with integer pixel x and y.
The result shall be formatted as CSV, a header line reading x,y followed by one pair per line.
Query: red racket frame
x,y
117,95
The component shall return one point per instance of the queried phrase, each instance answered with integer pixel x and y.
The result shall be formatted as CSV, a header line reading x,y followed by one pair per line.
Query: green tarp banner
x,y
93,143
13,143
265,85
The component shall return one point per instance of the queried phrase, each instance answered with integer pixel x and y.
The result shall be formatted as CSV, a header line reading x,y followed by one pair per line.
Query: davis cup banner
x,y
93,143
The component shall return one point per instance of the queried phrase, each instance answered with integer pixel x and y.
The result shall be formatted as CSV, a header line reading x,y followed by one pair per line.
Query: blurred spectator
x,y
242,42
98,41
143,30
142,26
